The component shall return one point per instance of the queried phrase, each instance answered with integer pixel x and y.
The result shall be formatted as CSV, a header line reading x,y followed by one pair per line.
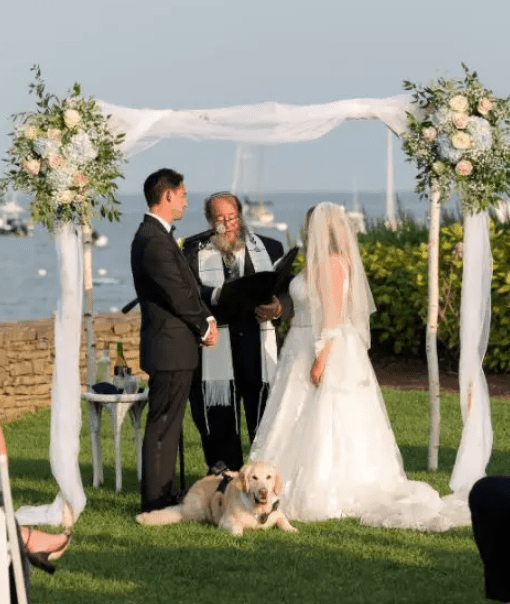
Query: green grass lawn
x,y
114,560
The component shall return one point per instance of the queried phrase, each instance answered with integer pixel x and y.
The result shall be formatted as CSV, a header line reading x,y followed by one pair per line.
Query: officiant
x,y
243,365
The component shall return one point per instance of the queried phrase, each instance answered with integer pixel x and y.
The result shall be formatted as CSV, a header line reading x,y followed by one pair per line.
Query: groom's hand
x,y
212,337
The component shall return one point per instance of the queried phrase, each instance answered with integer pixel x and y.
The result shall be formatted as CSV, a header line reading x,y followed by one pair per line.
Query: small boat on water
x,y
257,215
11,222
99,240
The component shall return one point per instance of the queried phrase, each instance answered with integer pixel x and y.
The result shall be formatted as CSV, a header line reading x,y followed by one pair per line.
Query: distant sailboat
x,y
356,217
247,184
10,221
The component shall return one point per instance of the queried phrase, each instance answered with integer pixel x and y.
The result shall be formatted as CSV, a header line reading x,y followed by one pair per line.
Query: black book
x,y
239,297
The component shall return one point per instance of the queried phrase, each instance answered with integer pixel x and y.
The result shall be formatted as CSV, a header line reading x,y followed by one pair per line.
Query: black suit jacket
x,y
174,318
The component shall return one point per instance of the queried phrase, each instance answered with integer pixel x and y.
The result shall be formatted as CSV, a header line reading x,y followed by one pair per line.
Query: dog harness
x,y
224,482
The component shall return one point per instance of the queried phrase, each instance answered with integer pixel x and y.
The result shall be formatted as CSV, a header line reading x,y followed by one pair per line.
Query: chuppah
x,y
465,111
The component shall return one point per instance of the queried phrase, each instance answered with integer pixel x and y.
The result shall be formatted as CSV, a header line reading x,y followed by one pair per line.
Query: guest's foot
x,y
42,547
38,541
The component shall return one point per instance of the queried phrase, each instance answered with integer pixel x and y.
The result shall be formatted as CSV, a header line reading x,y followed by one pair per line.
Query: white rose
x,y
461,140
66,197
460,120
464,167
54,134
484,106
71,118
32,166
429,134
459,103
438,167
31,132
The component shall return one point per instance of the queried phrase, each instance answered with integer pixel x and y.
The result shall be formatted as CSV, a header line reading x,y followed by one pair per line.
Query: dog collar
x,y
262,518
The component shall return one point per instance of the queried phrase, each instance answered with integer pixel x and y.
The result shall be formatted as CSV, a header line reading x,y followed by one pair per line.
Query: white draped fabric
x,y
66,390
263,124
475,316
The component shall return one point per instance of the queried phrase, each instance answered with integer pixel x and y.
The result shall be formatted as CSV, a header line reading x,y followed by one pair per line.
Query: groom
x,y
174,323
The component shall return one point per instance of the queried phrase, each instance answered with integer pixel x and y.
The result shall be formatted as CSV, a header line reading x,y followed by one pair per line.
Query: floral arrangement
x,y
458,137
67,156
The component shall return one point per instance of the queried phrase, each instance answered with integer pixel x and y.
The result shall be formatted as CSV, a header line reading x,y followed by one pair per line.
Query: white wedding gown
x,y
334,444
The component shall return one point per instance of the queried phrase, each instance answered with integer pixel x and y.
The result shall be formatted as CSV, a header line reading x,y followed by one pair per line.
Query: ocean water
x,y
30,284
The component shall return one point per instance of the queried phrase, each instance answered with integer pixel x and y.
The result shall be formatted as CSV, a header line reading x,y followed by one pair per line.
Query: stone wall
x,y
27,353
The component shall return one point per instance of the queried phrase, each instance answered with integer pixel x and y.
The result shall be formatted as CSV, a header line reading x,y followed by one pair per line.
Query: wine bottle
x,y
104,365
120,369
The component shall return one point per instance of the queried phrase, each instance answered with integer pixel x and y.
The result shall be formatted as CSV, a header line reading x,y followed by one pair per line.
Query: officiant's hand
x,y
268,312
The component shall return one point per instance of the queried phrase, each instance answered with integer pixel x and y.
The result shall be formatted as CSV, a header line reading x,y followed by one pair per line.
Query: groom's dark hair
x,y
158,182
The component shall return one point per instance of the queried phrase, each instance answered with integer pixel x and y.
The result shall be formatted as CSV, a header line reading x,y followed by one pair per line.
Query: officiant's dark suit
x,y
219,426
174,320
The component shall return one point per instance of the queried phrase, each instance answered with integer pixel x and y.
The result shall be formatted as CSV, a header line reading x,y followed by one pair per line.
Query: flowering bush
x,y
458,138
65,155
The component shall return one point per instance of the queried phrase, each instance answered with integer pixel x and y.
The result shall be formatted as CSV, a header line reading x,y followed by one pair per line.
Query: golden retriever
x,y
249,501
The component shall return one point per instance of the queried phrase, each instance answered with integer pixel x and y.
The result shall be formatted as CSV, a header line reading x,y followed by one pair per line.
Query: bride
x,y
325,425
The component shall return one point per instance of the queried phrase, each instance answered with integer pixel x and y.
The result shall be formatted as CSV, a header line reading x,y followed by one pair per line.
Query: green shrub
x,y
399,280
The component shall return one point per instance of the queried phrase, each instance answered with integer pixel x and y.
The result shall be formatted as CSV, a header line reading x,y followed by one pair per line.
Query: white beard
x,y
224,245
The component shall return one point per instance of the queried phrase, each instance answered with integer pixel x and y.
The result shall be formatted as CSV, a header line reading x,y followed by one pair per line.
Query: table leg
x,y
135,413
117,414
95,442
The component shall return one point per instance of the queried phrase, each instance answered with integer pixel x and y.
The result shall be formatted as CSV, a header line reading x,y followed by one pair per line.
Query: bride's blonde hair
x,y
329,235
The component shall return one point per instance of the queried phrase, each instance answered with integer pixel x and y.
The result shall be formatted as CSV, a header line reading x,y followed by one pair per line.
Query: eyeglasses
x,y
226,219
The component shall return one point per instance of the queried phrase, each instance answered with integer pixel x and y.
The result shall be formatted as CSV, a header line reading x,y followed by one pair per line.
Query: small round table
x,y
117,406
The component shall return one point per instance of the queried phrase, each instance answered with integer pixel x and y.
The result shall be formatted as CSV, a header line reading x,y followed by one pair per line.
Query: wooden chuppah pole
x,y
89,305
432,318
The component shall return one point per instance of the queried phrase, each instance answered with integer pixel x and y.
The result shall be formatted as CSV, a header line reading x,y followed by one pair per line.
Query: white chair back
x,y
9,544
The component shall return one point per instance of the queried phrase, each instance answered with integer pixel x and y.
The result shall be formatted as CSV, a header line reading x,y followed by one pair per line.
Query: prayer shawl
x,y
217,368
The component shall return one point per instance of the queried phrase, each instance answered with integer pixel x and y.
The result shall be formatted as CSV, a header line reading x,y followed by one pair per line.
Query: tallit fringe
x,y
217,393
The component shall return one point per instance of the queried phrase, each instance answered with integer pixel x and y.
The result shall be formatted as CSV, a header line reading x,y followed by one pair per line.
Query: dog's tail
x,y
170,515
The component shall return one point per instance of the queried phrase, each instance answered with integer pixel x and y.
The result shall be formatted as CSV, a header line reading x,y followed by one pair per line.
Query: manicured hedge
x,y
398,278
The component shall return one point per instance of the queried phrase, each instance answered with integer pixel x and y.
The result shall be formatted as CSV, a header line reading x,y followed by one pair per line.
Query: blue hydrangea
x,y
446,151
481,131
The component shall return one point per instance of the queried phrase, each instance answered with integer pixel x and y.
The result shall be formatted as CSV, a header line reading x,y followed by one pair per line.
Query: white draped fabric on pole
x,y
475,315
66,389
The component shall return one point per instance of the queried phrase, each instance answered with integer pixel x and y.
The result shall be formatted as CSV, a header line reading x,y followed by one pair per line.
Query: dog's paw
x,y
143,518
153,518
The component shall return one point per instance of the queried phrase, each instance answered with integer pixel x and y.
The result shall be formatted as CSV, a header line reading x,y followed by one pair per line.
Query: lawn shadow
x,y
327,562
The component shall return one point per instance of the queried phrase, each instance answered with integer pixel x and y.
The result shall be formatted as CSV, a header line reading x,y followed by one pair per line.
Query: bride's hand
x,y
317,369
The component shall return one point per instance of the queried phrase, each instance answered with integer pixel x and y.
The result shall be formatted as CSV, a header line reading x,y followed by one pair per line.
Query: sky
x,y
197,54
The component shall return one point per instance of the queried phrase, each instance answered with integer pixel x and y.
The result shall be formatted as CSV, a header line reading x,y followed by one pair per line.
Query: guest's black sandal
x,y
42,560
